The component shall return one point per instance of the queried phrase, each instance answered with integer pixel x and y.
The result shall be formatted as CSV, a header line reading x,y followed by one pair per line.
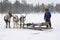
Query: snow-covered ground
x,y
27,34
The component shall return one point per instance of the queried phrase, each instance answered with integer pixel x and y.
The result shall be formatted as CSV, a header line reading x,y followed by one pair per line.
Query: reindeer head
x,y
10,14
23,16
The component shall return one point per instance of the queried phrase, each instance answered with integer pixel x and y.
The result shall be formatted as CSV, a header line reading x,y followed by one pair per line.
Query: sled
x,y
39,28
33,26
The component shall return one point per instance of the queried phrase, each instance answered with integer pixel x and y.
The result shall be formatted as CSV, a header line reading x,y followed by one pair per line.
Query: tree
x,y
42,7
6,6
51,7
24,2
16,6
57,7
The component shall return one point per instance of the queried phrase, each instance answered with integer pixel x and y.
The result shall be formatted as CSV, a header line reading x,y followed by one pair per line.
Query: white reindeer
x,y
15,21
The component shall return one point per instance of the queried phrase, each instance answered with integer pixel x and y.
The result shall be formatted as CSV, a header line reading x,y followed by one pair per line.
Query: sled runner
x,y
38,28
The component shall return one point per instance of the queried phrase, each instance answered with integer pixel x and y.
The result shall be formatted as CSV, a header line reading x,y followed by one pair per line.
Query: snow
x,y
27,34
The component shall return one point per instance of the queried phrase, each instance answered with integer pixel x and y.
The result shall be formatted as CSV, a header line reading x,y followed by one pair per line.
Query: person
x,y
47,17
7,19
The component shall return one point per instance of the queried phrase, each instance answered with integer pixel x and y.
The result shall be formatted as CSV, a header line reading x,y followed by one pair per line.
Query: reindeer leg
x,y
6,24
20,24
14,24
23,25
9,24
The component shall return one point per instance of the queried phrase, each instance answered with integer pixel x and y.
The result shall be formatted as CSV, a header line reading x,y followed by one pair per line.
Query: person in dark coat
x,y
47,17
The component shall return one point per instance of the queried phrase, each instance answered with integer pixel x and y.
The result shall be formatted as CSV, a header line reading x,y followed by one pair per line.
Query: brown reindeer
x,y
22,20
7,19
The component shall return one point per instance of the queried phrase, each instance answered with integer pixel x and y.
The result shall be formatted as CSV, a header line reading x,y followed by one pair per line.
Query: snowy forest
x,y
18,7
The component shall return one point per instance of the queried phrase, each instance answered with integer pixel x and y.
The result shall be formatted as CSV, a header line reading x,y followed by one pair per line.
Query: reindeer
x,y
15,21
22,20
7,19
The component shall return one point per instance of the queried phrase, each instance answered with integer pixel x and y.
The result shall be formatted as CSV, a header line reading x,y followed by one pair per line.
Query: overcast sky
x,y
38,1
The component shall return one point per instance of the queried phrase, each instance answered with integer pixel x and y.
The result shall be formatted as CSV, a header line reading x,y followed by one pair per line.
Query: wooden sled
x,y
37,28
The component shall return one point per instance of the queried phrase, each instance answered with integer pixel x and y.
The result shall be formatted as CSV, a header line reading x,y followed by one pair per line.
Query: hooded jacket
x,y
47,16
